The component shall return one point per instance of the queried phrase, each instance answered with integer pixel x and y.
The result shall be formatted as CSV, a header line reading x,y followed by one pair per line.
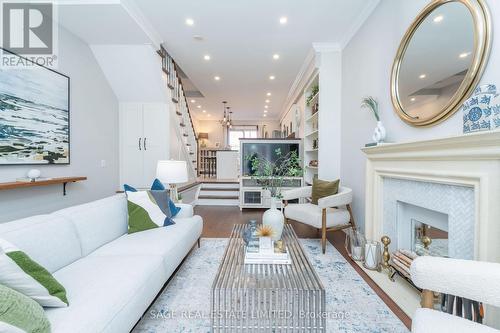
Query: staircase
x,y
184,124
219,194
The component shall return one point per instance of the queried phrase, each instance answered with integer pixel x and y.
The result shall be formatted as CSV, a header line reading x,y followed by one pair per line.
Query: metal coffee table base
x,y
267,298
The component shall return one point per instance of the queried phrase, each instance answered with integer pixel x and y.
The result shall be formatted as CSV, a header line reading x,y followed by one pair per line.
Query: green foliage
x,y
271,175
314,91
371,104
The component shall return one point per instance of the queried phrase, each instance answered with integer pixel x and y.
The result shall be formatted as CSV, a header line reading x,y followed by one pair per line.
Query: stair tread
x,y
220,189
218,197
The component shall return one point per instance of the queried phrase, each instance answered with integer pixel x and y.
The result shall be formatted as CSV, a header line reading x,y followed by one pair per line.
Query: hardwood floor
x,y
218,222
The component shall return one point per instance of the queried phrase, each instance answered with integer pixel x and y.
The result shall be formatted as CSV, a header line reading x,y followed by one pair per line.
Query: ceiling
x,y
241,38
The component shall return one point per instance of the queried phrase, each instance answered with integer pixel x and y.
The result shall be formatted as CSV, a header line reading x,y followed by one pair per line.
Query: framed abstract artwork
x,y
34,115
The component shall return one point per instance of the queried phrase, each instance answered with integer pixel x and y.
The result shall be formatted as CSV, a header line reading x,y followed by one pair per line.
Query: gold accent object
x,y
386,257
427,241
479,55
265,231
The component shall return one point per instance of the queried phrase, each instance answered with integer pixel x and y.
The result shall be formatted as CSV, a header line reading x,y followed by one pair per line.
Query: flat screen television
x,y
266,149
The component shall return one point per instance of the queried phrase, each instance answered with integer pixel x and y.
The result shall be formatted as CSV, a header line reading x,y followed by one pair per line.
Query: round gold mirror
x,y
440,60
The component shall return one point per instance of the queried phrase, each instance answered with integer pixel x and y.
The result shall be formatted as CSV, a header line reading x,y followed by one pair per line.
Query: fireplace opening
x,y
422,230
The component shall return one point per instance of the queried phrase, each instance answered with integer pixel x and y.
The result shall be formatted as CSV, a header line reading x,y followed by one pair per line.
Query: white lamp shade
x,y
172,172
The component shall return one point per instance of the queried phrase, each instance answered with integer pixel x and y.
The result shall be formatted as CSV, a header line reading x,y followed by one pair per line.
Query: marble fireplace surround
x,y
471,160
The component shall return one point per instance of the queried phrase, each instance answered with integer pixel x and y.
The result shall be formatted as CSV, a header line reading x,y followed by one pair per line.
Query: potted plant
x,y
271,175
179,198
314,92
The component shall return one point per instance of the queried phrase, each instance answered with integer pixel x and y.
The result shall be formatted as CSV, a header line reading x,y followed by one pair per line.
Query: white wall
x,y
216,134
366,68
94,137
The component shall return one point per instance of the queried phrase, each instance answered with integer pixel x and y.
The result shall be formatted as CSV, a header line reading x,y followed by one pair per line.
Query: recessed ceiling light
x,y
265,115
193,101
267,101
204,111
189,21
283,20
266,106
413,99
438,18
198,106
272,77
422,76
464,55
268,94
276,56
265,111
206,57
209,115
216,78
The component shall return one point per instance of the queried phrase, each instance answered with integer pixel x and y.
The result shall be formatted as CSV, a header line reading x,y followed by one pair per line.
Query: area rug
x,y
184,305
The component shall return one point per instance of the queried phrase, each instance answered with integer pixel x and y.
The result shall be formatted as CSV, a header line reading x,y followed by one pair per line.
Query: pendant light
x,y
224,120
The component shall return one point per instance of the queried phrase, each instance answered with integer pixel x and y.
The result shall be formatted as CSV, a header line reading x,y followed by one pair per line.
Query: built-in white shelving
x,y
311,130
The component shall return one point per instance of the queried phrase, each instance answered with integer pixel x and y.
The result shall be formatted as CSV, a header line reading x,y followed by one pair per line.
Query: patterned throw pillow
x,y
157,185
144,213
21,273
323,188
162,199
19,313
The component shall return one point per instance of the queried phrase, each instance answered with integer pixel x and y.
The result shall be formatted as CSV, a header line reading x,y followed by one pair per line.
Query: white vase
x,y
379,133
275,219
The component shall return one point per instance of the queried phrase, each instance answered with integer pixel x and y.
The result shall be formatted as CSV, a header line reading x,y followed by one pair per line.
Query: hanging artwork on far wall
x,y
34,109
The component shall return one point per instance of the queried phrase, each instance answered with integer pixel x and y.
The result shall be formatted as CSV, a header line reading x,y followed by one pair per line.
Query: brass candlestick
x,y
386,255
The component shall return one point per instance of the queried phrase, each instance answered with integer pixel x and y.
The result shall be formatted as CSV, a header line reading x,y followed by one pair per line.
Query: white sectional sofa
x,y
110,277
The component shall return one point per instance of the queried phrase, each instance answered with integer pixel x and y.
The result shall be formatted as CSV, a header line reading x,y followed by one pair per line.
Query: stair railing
x,y
185,121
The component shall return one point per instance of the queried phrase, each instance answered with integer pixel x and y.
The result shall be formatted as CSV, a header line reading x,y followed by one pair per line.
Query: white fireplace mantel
x,y
469,160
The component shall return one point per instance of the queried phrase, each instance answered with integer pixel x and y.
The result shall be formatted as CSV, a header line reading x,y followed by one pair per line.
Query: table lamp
x,y
172,173
203,137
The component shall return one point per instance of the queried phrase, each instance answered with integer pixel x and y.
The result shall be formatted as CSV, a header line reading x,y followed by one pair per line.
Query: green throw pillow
x,y
21,273
323,188
18,311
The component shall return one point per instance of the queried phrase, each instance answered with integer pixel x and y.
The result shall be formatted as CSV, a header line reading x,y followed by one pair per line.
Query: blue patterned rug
x,y
184,305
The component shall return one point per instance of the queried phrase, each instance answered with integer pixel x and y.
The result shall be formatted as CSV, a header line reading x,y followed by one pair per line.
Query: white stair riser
x,y
229,193
235,187
217,202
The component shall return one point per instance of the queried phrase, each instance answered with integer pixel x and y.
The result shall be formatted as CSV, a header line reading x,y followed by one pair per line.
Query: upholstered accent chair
x,y
474,280
332,213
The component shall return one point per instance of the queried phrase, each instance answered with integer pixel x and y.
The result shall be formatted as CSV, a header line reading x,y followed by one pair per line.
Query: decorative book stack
x,y
401,261
264,251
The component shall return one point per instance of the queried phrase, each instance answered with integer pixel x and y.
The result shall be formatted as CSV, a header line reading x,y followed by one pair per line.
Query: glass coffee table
x,y
267,298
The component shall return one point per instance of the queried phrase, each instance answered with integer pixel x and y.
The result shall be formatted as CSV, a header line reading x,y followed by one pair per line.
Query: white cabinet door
x,y
132,151
156,137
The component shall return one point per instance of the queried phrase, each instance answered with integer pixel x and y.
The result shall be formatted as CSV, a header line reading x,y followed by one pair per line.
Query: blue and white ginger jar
x,y
481,112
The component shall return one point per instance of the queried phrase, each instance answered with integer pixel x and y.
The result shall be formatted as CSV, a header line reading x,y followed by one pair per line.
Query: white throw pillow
x,y
19,272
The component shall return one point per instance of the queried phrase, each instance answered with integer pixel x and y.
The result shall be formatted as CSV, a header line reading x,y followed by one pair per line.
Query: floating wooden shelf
x,y
52,181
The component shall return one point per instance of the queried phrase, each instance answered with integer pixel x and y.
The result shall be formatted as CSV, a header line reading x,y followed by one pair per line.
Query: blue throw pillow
x,y
173,208
129,188
158,186
168,221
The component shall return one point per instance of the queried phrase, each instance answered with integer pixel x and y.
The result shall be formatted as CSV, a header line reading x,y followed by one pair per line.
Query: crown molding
x,y
358,23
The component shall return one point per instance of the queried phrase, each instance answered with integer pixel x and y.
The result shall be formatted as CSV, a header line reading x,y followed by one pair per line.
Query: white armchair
x,y
473,280
332,213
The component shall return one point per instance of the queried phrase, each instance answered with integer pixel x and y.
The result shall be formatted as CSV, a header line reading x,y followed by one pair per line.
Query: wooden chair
x,y
332,213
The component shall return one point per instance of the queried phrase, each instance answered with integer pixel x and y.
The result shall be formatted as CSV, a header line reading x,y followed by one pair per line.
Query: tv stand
x,y
252,195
